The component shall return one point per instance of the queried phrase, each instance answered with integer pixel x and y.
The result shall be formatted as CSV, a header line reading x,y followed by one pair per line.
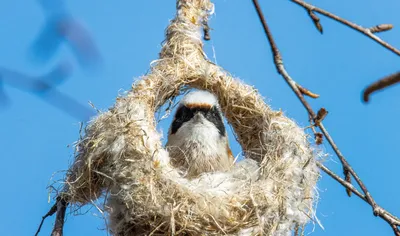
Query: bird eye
x,y
215,117
186,114
183,114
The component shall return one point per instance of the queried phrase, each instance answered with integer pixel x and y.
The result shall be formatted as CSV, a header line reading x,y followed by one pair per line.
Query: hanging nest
x,y
122,158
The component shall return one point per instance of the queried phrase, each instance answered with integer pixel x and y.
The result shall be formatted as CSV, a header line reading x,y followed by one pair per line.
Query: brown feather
x,y
198,105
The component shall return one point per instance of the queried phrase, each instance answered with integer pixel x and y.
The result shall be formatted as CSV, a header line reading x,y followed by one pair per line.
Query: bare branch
x,y
352,25
377,210
381,84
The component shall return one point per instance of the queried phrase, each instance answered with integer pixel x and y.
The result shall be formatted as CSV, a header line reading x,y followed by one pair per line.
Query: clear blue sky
x,y
337,65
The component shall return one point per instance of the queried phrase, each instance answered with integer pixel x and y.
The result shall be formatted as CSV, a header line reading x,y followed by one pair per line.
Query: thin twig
x,y
369,32
343,182
377,210
365,31
315,20
51,212
393,219
381,84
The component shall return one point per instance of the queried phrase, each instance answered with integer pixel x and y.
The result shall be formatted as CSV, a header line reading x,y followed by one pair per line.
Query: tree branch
x,y
369,32
394,221
343,182
377,210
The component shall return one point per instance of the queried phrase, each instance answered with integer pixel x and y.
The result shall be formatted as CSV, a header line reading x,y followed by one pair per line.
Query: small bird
x,y
60,27
197,139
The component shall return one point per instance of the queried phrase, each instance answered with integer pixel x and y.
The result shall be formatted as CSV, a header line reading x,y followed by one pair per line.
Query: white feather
x,y
200,96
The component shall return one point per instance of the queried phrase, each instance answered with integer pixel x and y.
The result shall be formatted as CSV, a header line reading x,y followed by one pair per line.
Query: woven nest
x,y
121,155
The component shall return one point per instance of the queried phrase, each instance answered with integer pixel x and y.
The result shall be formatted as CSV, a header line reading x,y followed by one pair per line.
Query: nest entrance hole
x,y
165,114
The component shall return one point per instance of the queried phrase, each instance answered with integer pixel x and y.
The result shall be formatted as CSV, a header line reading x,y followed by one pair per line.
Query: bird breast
x,y
198,147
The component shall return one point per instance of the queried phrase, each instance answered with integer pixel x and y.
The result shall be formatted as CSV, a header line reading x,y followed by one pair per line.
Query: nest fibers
x,y
121,156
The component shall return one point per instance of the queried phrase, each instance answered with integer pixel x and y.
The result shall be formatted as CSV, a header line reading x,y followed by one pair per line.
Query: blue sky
x,y
337,65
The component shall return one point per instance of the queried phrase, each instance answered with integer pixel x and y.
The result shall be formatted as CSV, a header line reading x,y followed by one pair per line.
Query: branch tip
x,y
381,28
315,20
381,84
321,114
307,92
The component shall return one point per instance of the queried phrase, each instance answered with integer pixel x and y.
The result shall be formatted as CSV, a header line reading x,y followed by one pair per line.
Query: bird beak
x,y
198,118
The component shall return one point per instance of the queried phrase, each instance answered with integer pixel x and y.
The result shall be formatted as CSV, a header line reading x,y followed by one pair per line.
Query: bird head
x,y
198,110
197,140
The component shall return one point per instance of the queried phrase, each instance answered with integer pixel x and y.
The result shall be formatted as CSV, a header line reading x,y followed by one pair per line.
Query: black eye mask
x,y
184,114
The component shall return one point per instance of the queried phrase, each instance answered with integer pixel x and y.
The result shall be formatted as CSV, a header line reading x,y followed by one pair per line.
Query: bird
x,y
60,27
197,138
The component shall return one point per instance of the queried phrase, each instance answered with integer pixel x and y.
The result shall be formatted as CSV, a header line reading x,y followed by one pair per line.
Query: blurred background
x,y
56,56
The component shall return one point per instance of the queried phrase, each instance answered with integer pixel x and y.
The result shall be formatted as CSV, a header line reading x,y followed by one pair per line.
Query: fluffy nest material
x,y
122,158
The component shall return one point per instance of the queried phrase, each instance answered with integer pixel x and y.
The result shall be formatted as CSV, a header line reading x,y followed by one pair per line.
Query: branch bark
x,y
59,225
60,208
